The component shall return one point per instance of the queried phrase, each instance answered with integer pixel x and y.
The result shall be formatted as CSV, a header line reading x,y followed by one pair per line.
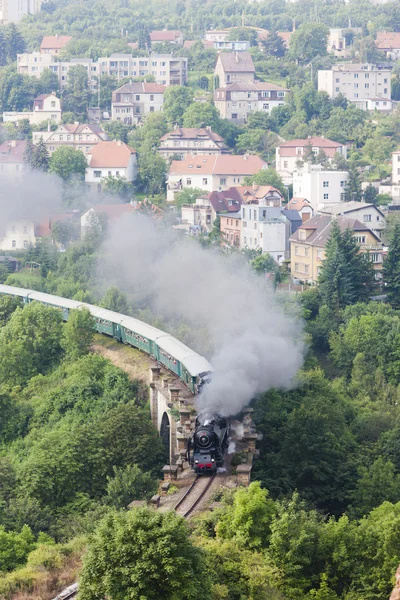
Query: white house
x,y
46,107
288,154
114,159
366,213
12,162
303,207
18,235
112,212
322,188
211,172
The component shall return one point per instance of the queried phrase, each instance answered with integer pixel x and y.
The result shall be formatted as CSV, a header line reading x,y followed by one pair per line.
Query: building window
x,y
14,243
151,108
26,244
342,183
360,239
325,184
205,181
222,180
326,196
188,181
245,239
306,269
13,230
97,174
25,229
367,218
367,85
255,225
244,223
375,257
296,267
285,164
356,85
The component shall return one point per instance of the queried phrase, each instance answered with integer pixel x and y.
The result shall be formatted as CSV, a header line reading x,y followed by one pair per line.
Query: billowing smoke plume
x,y
254,345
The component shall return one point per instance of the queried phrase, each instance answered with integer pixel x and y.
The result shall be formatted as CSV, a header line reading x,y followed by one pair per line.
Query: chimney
x,y
56,36
254,186
119,143
245,156
237,56
13,143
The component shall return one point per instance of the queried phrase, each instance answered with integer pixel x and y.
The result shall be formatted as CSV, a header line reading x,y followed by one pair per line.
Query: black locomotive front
x,y
207,446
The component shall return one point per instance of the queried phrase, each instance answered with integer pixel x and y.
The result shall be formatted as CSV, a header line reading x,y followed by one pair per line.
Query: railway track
x,y
193,495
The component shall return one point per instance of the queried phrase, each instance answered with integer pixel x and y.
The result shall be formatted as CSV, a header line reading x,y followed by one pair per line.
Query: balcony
x,y
174,187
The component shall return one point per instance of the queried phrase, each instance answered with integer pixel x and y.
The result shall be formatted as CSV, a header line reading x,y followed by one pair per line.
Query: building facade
x,y
237,100
366,213
12,11
79,136
234,67
368,86
53,44
46,107
230,227
288,154
321,188
110,159
389,43
308,245
133,101
12,162
188,141
171,36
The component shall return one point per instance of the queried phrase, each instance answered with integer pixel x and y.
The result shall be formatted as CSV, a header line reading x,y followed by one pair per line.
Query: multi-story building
x,y
267,195
189,141
167,69
46,107
114,159
12,162
230,227
233,67
322,188
12,11
211,172
288,154
167,35
237,100
200,216
78,135
366,213
367,86
308,245
53,44
217,35
133,101
389,42
268,228
340,41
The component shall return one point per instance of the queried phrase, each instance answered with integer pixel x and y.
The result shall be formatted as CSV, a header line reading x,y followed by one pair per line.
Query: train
x,y
206,447
193,369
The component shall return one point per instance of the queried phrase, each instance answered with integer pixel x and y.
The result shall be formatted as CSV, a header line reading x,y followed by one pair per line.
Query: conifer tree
x,y
15,42
353,189
40,157
3,50
28,154
274,45
391,268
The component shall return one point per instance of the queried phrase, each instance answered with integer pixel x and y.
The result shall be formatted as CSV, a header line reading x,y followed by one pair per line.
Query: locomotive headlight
x,y
212,460
196,461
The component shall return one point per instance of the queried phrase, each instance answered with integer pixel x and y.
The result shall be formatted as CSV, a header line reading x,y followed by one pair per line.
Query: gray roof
x,y
347,207
320,227
292,215
237,62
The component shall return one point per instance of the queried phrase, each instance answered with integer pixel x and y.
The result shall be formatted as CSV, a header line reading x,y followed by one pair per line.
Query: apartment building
x,y
368,86
237,100
234,67
12,11
366,213
167,69
288,154
79,136
322,188
133,101
308,243
189,141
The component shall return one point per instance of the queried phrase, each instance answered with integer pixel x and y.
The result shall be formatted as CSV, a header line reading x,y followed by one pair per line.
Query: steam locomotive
x,y
207,446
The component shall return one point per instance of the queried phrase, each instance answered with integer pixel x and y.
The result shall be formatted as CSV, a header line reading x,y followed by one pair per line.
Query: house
x,y
201,215
230,227
53,44
303,207
133,101
79,136
185,141
395,189
210,172
262,35
289,153
255,194
309,241
389,42
236,100
22,233
171,36
368,86
268,228
187,44
233,67
12,11
46,107
113,212
217,35
114,159
321,188
12,162
366,213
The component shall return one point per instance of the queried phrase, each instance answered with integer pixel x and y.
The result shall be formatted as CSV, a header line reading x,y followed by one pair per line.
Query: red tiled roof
x,y
388,40
141,87
237,62
316,141
165,35
262,34
12,151
221,164
228,200
110,154
113,211
43,229
133,45
257,191
55,42
206,43
297,203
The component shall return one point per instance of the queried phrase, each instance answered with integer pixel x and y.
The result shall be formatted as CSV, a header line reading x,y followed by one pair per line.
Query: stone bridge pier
x,y
172,413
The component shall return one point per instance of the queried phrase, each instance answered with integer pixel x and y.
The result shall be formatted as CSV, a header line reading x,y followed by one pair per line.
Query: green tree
x,y
376,484
371,194
142,554
177,99
8,304
15,42
40,160
308,41
243,34
263,263
367,50
63,232
257,141
274,45
267,177
346,274
391,268
15,547
188,196
76,94
78,333
3,49
201,114
152,172
115,300
117,130
66,162
48,82
353,190
127,484
117,186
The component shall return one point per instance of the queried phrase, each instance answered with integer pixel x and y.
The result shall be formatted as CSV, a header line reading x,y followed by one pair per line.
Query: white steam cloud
x,y
253,344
